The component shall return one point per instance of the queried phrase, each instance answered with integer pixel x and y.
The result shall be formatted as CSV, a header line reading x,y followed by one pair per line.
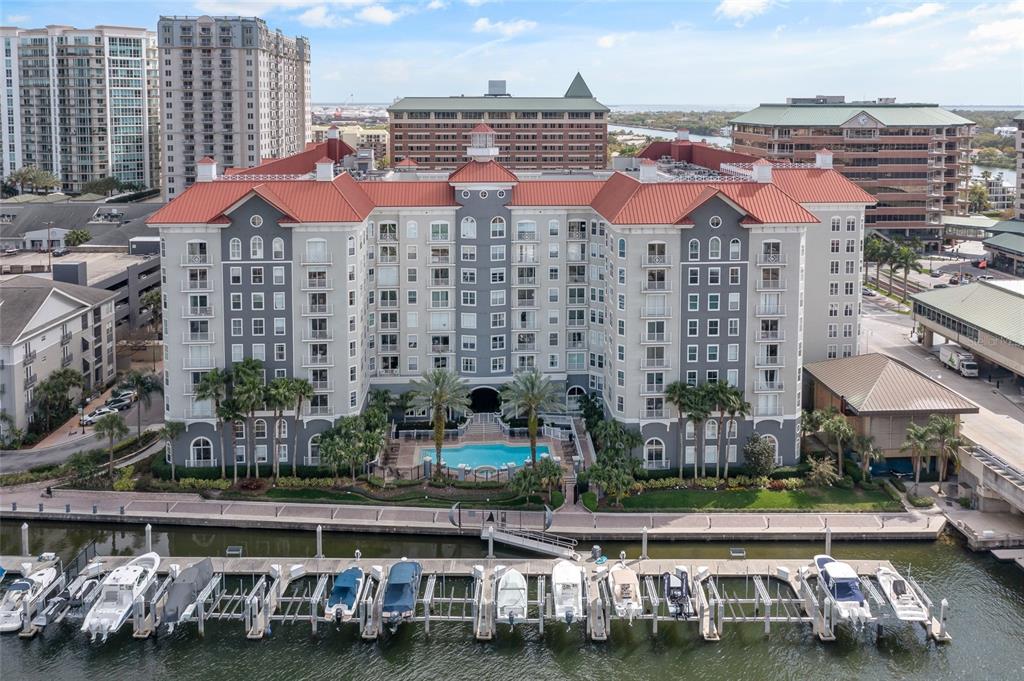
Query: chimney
x,y
762,171
648,170
324,170
206,170
333,143
823,159
682,134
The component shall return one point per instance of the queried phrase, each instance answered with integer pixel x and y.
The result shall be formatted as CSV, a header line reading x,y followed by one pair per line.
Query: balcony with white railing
x,y
762,412
769,336
199,411
768,361
196,260
390,260
526,235
389,348
524,303
441,349
318,410
317,336
656,260
389,326
438,260
770,310
655,363
318,310
198,363
768,259
196,311
771,285
654,313
389,237
654,389
769,387
317,284
650,337
317,361
657,465
322,386
440,282
526,258
389,371
653,413
197,337
526,347
656,286
314,259
524,281
576,345
196,286
577,235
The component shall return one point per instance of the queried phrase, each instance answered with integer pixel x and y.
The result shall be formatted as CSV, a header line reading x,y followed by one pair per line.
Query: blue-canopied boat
x,y
400,592
343,601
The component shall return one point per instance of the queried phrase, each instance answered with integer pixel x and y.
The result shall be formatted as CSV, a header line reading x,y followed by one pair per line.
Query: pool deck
x,y
409,457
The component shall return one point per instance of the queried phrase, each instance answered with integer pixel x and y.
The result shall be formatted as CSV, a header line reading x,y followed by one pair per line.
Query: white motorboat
x,y
347,592
511,598
567,591
118,593
842,582
906,604
624,586
20,593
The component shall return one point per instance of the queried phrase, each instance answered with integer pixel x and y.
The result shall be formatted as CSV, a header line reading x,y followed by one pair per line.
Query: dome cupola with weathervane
x,y
482,146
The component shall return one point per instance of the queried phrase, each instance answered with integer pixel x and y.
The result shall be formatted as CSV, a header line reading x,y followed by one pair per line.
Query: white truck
x,y
958,359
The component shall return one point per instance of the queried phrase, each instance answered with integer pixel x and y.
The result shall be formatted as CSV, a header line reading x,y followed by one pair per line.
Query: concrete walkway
x,y
190,509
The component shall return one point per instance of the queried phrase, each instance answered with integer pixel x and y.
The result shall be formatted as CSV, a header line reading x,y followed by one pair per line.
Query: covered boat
x,y
118,593
344,598
676,592
22,592
400,592
906,604
184,590
511,598
624,586
843,584
567,591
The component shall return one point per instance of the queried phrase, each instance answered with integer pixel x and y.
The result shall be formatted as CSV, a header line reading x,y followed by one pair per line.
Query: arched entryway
x,y
484,400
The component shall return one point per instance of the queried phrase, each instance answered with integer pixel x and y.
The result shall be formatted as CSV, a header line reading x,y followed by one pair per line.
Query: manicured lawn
x,y
829,499
589,500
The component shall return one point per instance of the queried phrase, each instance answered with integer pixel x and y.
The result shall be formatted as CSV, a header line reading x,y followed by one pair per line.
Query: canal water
x,y
986,620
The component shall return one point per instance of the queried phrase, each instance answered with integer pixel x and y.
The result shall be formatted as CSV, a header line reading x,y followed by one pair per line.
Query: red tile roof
x,y
697,153
482,171
818,185
555,193
406,163
297,164
402,194
482,127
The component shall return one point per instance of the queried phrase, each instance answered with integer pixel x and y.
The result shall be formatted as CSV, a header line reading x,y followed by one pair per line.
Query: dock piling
x,y
319,541
149,538
643,550
490,541
828,541
24,540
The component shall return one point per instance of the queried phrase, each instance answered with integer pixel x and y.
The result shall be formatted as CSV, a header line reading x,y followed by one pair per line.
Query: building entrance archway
x,y
484,400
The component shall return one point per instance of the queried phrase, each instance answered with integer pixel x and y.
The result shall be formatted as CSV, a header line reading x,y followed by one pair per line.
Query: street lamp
x,y
49,246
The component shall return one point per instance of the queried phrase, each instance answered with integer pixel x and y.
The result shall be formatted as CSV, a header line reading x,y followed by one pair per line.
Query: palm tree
x,y
228,413
53,395
144,386
839,429
905,259
440,391
549,474
719,394
699,411
734,406
404,402
170,432
332,452
112,427
77,237
349,434
529,394
154,302
381,399
944,434
873,253
918,442
680,395
277,396
864,445
214,386
301,391
248,392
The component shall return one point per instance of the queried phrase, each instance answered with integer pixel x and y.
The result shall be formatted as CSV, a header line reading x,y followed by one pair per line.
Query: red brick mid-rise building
x,y
532,132
913,158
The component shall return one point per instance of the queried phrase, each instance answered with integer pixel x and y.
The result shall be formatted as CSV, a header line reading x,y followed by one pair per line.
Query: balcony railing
x,y
66,360
193,286
31,380
30,357
387,236
577,235
391,259
576,345
65,338
654,313
652,260
651,337
317,285
652,389
317,335
435,281
387,303
196,259
768,361
317,361
317,259
526,347
526,236
197,337
389,326
389,347
770,310
439,259
657,465
441,349
389,371
653,413
654,363
656,286
199,411
318,410
321,310
196,311
322,386
771,258
526,281
769,387
769,335
771,285
525,302
193,363
526,258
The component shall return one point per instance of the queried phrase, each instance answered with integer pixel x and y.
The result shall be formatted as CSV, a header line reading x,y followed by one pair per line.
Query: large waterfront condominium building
x,y
913,158
532,132
611,284
81,103
233,90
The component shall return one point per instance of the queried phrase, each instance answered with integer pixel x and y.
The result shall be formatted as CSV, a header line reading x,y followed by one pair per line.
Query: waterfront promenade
x,y
192,510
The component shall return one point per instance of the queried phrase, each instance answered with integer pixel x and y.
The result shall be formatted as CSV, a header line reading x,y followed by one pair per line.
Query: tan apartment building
x,y
233,89
914,158
532,132
81,103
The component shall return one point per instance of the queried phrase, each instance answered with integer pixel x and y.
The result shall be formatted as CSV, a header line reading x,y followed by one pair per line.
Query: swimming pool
x,y
474,456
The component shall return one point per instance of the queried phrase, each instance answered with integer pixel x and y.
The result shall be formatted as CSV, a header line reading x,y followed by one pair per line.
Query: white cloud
x,y
505,28
742,11
378,14
320,17
474,3
15,19
897,19
613,40
436,4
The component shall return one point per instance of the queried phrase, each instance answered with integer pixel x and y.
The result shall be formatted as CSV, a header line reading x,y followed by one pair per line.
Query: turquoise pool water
x,y
475,456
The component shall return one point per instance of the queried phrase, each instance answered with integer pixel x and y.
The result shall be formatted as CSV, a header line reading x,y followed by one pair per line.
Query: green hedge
x,y
852,470
845,482
920,502
890,489
780,473
135,196
869,485
162,470
589,500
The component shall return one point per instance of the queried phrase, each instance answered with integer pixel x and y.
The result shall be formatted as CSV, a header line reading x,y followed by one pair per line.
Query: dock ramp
x,y
532,540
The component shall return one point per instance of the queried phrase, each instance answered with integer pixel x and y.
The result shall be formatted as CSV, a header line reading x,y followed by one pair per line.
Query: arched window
x,y
282,429
715,248
201,451
235,249
851,224
734,249
313,450
689,430
654,453
732,429
711,429
277,248
622,248
835,224
167,452
316,250
775,447
256,248
498,228
694,249
572,396
259,428
468,229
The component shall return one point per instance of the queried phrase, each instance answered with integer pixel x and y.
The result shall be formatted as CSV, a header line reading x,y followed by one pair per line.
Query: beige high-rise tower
x,y
234,90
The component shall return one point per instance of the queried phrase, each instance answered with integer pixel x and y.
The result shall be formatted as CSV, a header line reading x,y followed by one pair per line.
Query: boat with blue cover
x,y
400,592
345,595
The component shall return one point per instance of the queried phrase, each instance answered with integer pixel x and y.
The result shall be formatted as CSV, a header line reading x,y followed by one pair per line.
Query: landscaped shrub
x,y
304,483
124,482
920,502
583,481
784,472
869,485
589,500
898,484
844,483
965,502
200,484
852,470
890,489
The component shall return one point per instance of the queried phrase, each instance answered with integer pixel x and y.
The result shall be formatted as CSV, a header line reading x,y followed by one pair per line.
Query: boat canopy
x,y
847,590
400,592
20,585
838,570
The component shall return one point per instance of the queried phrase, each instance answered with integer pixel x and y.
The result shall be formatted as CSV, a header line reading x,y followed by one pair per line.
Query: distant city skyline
x,y
735,53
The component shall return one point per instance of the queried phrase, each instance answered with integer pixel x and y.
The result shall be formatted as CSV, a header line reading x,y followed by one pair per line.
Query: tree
x,y
680,395
438,392
699,411
228,413
613,477
759,455
810,423
735,406
944,433
529,394
77,237
381,400
144,386
10,435
54,399
590,409
112,427
549,474
332,452
153,301
349,433
864,445
526,481
977,198
278,396
880,252
34,178
102,185
214,386
839,429
248,392
917,442
904,259
301,391
823,472
170,432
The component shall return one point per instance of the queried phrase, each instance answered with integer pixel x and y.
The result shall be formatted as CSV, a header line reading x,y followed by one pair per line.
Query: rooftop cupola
x,y
823,158
762,171
482,145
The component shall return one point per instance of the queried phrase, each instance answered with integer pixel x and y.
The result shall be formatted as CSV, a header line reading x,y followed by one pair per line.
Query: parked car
x,y
122,392
954,280
986,277
941,286
63,250
94,416
935,274
868,292
121,403
10,251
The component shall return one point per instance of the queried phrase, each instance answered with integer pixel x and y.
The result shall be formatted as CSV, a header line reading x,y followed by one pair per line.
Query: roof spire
x,y
578,88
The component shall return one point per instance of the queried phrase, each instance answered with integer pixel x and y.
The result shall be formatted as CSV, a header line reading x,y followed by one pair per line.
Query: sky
x,y
728,53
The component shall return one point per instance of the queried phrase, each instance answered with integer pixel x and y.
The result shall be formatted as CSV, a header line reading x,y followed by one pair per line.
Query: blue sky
x,y
713,52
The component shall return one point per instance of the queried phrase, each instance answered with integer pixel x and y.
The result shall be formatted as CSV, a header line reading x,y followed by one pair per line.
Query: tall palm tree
x,y
529,394
154,302
948,441
144,386
214,386
301,391
440,391
918,442
719,393
735,407
112,427
904,259
170,432
248,392
839,429
680,395
874,249
864,445
77,237
699,411
277,396
228,413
